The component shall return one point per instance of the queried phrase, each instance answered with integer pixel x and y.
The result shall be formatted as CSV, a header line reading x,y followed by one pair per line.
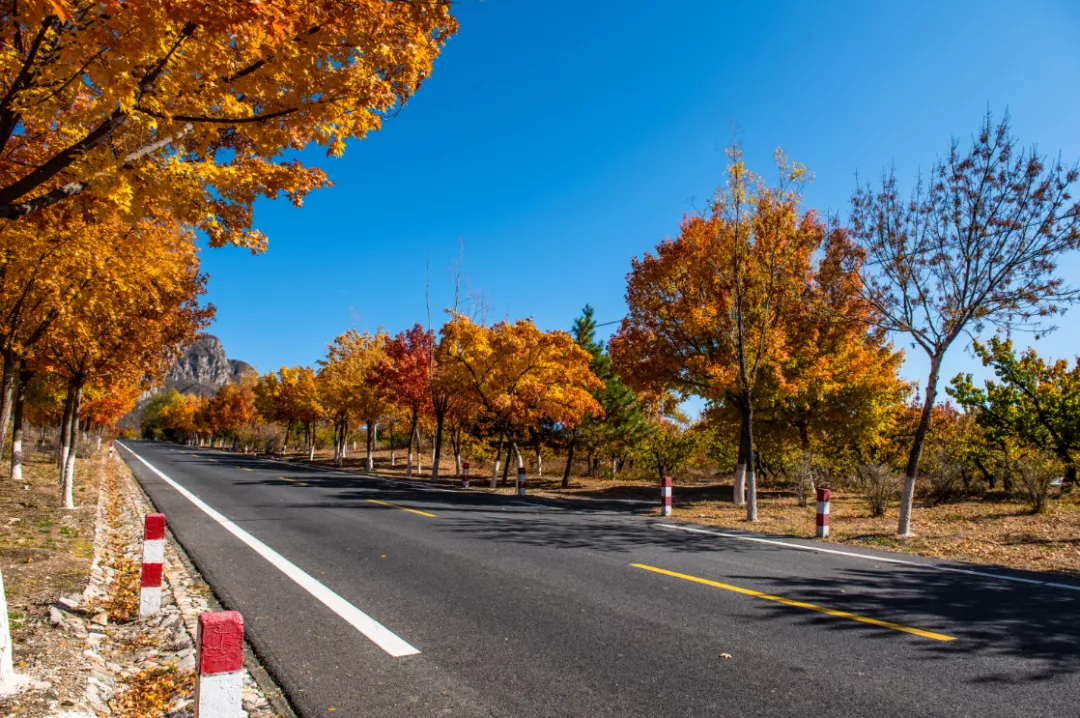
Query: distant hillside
x,y
201,369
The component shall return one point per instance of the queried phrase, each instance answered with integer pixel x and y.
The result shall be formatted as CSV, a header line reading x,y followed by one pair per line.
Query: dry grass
x,y
994,530
45,553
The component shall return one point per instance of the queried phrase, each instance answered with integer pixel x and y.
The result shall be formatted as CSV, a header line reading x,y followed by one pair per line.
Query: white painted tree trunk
x,y
740,485
539,464
311,454
9,682
98,446
495,473
69,480
16,458
63,461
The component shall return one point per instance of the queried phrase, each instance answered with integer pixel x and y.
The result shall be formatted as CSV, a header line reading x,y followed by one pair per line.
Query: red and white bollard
x,y
823,496
152,562
465,475
665,496
521,481
110,449
220,661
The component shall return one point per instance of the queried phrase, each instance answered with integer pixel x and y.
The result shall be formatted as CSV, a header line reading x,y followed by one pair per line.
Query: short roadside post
x,y
665,496
152,563
110,449
220,662
521,481
823,499
465,475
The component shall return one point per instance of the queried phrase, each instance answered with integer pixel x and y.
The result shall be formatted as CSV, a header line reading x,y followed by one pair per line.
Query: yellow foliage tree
x,y
198,103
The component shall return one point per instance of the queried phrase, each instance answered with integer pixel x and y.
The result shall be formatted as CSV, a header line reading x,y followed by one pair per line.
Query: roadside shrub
x,y
1035,473
879,485
805,475
946,480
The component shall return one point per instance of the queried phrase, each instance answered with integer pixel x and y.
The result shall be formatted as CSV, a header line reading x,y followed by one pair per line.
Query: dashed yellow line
x,y
395,506
799,604
214,460
245,468
286,478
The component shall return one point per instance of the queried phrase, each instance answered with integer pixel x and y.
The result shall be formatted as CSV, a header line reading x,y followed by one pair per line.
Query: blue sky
x,y
557,140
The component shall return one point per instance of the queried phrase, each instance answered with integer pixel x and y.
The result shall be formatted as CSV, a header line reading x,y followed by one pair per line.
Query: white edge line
x,y
929,566
359,620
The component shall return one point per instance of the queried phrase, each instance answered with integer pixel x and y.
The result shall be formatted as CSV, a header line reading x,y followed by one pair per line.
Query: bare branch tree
x,y
975,245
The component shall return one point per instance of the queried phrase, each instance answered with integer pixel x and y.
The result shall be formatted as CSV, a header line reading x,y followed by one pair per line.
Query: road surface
x,y
375,598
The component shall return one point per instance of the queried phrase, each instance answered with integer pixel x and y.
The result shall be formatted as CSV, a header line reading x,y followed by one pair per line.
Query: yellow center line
x,y
214,460
286,478
799,604
245,468
395,506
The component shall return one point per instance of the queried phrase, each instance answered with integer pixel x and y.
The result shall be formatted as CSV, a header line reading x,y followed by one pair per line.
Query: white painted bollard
x,y
220,662
153,561
665,496
465,475
521,481
823,496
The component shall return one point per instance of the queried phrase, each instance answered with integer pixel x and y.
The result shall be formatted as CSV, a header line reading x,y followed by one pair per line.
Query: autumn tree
x,y
151,282
231,409
839,383
290,398
195,103
976,244
355,359
46,264
1033,402
515,374
707,313
407,375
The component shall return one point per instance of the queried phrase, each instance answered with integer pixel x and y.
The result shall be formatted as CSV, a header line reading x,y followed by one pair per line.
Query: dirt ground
x,y
45,553
995,529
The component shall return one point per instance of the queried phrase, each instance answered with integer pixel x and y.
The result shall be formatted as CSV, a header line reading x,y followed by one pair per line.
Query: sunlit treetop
x,y
199,102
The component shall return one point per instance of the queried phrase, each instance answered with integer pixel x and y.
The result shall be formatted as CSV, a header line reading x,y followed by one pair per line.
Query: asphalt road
x,y
528,608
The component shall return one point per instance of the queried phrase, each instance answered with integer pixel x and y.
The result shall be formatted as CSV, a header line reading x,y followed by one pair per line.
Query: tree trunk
x,y
419,456
69,465
498,457
393,457
65,431
8,680
747,439
285,441
539,457
412,440
738,493
506,464
7,384
17,424
439,416
569,460
908,497
614,467
370,463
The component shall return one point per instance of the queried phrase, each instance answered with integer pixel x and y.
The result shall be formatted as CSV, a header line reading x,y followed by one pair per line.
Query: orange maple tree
x,y
707,312
515,374
198,104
